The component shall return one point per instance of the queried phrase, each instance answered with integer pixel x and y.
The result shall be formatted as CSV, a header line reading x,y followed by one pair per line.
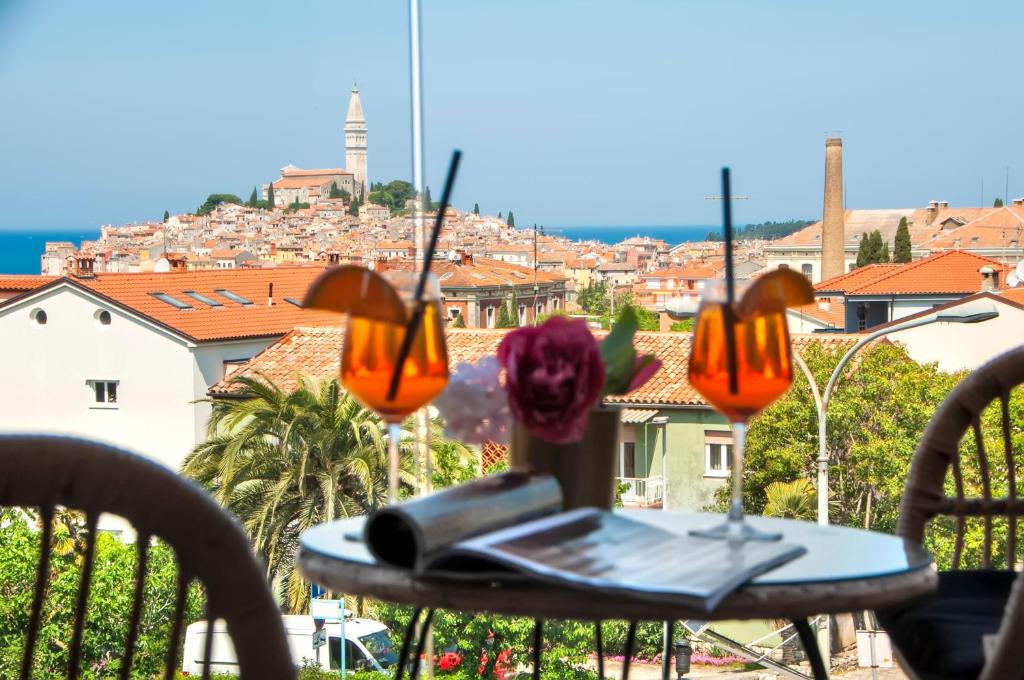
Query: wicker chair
x,y
44,472
944,635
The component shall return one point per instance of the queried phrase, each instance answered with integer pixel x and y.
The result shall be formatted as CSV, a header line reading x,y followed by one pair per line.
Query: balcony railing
x,y
642,492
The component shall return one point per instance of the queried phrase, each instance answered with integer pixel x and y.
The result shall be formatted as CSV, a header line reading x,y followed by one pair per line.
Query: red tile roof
x,y
229,320
951,272
315,353
22,282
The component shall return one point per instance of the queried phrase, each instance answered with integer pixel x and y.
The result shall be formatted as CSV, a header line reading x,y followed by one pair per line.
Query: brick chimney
x,y
932,213
465,258
833,236
989,279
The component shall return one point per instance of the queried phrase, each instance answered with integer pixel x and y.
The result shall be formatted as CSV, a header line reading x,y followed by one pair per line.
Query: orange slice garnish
x,y
775,291
356,291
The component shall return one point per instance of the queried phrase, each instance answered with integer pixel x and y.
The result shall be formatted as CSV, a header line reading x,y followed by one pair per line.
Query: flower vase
x,y
585,469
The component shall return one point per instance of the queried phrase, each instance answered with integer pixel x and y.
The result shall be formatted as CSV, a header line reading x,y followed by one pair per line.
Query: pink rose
x,y
553,375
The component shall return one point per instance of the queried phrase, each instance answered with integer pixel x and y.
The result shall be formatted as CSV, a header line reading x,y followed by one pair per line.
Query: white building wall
x,y
959,346
48,367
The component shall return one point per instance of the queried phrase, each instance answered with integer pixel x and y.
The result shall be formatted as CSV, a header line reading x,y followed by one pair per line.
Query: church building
x,y
312,186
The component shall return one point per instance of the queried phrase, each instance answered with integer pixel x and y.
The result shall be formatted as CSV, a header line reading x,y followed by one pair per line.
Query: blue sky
x,y
569,112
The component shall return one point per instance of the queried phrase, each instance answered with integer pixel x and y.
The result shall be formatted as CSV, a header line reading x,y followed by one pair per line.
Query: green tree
x,y
499,214
878,412
594,299
476,208
283,462
167,216
875,247
353,207
213,200
427,201
682,326
998,203
457,322
110,599
253,199
884,257
864,251
335,192
646,319
270,198
902,244
505,318
511,221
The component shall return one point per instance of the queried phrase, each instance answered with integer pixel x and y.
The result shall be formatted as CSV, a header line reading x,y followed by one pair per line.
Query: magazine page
x,y
595,549
404,534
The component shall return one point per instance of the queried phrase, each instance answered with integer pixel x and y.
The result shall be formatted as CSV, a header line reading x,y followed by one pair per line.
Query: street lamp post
x,y
973,312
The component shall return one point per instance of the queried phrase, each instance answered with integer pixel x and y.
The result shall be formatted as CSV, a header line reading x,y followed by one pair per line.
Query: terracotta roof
x,y
301,182
998,228
1014,294
683,272
21,282
315,353
851,280
202,322
834,315
482,272
950,272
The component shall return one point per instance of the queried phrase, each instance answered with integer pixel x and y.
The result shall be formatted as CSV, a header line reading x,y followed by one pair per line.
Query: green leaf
x,y
619,354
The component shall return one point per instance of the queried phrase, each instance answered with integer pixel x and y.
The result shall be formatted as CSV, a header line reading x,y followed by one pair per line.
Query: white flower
x,y
474,405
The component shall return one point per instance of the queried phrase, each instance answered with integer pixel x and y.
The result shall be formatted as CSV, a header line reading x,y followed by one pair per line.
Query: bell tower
x,y
355,143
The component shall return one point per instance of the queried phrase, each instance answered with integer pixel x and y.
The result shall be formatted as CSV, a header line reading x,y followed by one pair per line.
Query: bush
x,y
110,600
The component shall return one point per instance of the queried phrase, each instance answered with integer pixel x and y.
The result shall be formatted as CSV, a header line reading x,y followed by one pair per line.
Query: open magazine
x,y
513,523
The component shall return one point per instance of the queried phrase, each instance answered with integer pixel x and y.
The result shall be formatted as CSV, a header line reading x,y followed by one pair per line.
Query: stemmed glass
x,y
762,372
371,350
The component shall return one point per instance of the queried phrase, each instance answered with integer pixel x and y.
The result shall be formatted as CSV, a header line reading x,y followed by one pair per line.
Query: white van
x,y
368,646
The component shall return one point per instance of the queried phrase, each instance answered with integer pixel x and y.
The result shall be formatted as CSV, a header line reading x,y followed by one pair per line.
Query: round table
x,y
843,570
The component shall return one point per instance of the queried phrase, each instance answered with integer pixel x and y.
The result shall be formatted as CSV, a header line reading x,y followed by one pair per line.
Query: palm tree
x,y
283,462
792,500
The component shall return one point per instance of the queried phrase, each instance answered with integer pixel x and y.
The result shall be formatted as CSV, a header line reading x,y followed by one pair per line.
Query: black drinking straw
x,y
428,258
730,286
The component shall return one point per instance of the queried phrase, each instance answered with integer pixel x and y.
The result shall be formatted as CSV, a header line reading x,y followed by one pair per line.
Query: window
x,y
522,315
454,312
628,462
352,654
103,317
199,297
717,454
806,270
172,301
104,393
490,317
783,266
232,365
39,316
540,309
234,297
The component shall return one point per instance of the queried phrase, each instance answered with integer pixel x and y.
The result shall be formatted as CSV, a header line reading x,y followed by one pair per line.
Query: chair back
x,y
48,472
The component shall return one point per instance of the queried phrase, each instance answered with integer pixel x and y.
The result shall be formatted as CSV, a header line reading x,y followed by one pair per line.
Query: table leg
x,y
666,652
810,643
599,643
403,655
630,644
538,641
421,644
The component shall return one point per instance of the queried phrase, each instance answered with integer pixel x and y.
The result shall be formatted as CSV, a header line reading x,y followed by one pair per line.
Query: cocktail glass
x,y
371,350
761,372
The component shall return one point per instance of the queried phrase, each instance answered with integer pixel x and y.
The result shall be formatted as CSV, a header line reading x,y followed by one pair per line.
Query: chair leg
x,y
810,643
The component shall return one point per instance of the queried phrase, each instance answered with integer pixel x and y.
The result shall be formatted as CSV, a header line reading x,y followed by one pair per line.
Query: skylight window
x,y
234,297
293,301
172,301
199,297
